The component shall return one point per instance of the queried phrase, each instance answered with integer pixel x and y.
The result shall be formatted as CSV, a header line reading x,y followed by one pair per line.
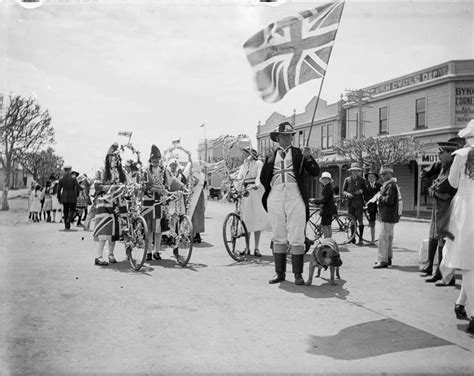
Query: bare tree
x,y
377,151
25,130
43,164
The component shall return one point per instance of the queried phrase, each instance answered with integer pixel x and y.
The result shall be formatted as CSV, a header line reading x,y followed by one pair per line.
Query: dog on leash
x,y
325,255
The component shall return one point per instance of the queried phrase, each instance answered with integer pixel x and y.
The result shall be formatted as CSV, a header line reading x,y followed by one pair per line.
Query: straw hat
x,y
373,172
386,168
251,151
283,128
355,167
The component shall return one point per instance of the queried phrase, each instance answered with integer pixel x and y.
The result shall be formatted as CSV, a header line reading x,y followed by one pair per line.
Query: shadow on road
x,y
203,245
124,267
324,291
401,249
252,260
373,338
406,268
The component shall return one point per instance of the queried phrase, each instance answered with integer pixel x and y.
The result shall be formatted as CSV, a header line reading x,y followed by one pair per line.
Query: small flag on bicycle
x,y
294,50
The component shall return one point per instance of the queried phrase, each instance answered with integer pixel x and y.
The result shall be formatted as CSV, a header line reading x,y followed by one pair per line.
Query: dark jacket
x,y
370,192
352,185
327,201
309,167
388,203
68,189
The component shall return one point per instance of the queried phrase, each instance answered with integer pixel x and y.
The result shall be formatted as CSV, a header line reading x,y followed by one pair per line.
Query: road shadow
x,y
323,291
252,260
173,264
463,327
406,268
402,249
203,245
373,338
124,267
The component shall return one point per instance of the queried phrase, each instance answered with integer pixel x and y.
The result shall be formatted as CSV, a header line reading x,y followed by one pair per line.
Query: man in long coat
x,y
68,190
286,199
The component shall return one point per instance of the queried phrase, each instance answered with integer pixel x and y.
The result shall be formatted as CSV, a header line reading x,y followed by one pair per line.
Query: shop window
x,y
421,113
383,121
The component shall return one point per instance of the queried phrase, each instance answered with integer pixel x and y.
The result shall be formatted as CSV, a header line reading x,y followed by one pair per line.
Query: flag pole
x,y
321,86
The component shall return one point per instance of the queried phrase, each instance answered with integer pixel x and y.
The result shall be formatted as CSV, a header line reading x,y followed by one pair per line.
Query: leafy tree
x,y
377,151
43,164
25,130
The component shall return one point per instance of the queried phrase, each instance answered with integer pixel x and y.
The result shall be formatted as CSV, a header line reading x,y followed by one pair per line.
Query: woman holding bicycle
x,y
109,205
328,208
253,214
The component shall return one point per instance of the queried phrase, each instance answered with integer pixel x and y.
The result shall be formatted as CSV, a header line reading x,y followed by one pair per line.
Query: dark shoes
x,y
257,253
197,238
299,279
389,261
245,252
100,261
436,277
427,270
460,312
149,257
380,265
156,255
470,327
112,259
279,277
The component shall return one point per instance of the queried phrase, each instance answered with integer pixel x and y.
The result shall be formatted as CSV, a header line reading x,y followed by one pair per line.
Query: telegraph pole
x,y
361,97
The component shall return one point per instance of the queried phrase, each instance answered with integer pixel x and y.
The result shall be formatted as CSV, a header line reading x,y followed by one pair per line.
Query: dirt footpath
x,y
62,315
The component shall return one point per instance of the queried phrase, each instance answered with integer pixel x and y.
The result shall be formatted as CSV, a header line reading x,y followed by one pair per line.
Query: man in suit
x,y
68,190
286,200
353,189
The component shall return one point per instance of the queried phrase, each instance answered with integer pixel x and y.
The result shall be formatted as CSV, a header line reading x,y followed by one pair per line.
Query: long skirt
x,y
107,226
254,215
198,215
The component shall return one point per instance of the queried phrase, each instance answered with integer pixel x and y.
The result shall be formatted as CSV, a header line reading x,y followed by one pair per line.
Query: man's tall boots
x,y
280,268
361,234
297,261
432,246
437,275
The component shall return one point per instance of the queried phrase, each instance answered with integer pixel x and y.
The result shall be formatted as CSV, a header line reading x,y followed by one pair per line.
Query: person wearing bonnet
x,y
107,199
458,250
253,214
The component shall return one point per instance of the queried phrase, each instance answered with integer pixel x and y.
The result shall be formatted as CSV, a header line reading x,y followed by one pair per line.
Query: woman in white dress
x,y
458,251
253,214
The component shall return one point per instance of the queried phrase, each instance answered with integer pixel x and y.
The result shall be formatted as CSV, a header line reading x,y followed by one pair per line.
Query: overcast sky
x,y
160,69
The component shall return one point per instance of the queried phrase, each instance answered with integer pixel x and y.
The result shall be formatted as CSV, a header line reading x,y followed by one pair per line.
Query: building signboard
x,y
464,103
427,75
427,159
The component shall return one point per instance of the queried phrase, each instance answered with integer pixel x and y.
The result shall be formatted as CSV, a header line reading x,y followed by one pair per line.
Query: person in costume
x,y
372,187
253,214
442,194
175,171
458,252
353,188
197,202
286,199
110,205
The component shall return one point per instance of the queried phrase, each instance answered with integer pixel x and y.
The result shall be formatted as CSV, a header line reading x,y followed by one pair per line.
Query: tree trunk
x,y
6,185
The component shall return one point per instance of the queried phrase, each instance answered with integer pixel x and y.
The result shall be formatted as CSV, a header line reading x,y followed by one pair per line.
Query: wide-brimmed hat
x,y
81,178
467,132
355,167
283,128
325,174
386,168
155,152
251,151
373,172
75,172
448,147
113,149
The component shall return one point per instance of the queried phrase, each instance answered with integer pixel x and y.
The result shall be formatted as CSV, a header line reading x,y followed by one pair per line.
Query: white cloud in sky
x,y
160,70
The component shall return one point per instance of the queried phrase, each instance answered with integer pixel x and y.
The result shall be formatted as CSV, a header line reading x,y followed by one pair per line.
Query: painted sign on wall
x,y
464,103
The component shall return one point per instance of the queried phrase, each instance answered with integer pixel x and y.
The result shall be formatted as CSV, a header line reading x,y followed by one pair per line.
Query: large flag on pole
x,y
294,50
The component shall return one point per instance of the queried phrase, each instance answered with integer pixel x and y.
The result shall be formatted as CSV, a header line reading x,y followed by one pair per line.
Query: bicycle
x,y
234,232
134,230
180,231
343,226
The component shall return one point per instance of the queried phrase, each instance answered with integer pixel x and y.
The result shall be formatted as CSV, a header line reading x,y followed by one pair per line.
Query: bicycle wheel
x,y
313,226
366,236
136,242
236,236
184,240
343,228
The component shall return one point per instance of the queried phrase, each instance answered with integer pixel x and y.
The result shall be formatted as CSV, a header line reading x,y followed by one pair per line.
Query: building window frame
x,y
420,113
327,136
383,120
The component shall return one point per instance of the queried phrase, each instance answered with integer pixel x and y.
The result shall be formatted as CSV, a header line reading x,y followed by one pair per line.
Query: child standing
x,y
35,203
328,208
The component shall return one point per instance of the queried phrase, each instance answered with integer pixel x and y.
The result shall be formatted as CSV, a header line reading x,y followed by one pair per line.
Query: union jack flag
x,y
294,50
